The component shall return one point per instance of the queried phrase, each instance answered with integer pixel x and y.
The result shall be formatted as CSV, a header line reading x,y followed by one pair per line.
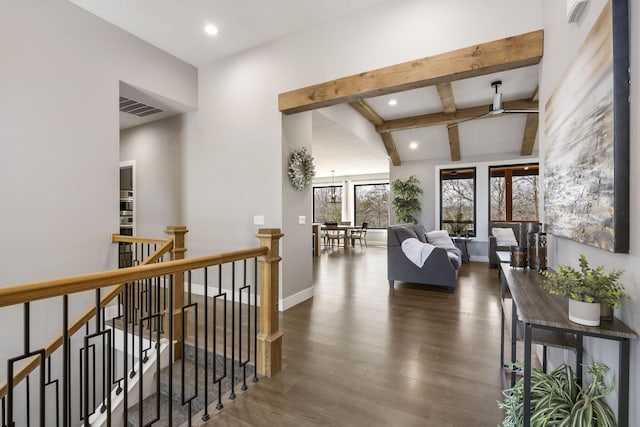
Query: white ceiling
x,y
177,28
337,149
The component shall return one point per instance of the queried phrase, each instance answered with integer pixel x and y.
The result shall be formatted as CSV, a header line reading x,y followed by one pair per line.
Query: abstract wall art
x,y
586,165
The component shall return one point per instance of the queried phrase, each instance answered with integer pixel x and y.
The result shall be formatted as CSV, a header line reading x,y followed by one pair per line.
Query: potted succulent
x,y
586,288
557,399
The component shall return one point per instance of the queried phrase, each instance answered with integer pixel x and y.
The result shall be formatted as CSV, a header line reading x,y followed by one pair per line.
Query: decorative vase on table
x,y
606,311
584,313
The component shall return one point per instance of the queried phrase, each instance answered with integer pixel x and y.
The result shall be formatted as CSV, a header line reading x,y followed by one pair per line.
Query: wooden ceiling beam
x,y
530,132
436,119
374,118
367,112
530,129
454,143
485,58
445,92
390,146
535,94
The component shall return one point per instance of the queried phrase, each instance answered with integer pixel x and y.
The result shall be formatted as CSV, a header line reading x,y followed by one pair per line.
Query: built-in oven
x,y
126,212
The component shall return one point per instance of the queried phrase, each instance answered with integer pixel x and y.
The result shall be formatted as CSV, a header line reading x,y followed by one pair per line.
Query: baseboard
x,y
479,258
283,304
295,299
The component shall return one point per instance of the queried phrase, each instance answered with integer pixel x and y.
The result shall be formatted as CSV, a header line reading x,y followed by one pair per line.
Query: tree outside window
x,y
325,209
372,205
514,192
458,201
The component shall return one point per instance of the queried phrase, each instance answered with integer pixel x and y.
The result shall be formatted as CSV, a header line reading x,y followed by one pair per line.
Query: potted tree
x,y
406,204
586,289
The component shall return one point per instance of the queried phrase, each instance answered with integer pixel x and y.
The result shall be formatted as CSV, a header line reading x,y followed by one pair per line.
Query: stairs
x,y
180,413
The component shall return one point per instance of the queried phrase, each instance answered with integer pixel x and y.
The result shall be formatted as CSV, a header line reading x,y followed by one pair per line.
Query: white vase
x,y
584,313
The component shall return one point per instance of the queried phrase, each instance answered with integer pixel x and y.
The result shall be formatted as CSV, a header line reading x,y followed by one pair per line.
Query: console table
x,y
538,317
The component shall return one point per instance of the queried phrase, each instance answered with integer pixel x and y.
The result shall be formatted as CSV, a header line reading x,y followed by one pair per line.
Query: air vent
x,y
137,108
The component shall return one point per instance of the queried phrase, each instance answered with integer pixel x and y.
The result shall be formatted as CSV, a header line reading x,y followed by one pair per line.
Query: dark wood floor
x,y
360,354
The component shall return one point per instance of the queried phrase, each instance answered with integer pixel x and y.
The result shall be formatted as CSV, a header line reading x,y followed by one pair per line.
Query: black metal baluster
x,y
183,312
48,383
205,416
10,385
171,349
106,382
255,320
66,411
143,358
27,339
242,362
134,291
114,356
218,380
109,376
140,378
232,393
125,357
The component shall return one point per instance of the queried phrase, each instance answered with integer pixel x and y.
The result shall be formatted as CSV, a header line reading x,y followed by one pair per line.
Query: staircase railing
x,y
107,381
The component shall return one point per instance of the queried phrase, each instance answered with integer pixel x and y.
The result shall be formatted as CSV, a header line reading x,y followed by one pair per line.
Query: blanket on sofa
x,y
416,251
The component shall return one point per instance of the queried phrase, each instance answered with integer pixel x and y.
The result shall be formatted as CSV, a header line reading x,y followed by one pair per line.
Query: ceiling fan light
x,y
497,103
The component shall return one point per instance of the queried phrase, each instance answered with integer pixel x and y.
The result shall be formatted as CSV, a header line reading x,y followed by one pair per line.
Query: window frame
x,y
313,197
474,172
355,198
509,190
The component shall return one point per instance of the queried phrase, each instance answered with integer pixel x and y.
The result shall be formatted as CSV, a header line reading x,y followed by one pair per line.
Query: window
x,y
326,207
372,205
458,201
514,193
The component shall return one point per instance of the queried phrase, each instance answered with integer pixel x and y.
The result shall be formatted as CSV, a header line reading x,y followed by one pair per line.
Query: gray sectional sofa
x,y
440,269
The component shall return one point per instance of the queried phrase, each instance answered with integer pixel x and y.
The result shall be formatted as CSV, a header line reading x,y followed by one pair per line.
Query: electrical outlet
x,y
302,219
258,220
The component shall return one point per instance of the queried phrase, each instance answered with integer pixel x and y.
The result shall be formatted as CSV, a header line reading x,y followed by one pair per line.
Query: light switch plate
x,y
258,220
302,219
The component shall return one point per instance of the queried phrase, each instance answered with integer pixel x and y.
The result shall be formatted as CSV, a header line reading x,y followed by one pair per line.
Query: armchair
x,y
520,230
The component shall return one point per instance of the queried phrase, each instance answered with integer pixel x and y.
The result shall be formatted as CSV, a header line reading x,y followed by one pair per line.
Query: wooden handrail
x,y
18,294
119,238
89,313
270,338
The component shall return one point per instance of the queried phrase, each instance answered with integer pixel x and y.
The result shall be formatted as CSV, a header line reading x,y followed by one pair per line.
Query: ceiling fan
x,y
496,107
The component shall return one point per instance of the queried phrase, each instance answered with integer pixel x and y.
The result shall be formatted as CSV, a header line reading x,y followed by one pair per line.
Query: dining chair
x,y
333,234
360,234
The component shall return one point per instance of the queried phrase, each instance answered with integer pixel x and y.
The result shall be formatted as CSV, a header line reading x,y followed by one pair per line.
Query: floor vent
x,y
137,108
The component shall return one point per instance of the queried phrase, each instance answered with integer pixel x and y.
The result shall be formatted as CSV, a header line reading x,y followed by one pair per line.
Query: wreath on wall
x,y
301,168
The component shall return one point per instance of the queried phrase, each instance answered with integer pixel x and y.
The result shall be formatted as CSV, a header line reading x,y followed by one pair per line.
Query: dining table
x,y
318,228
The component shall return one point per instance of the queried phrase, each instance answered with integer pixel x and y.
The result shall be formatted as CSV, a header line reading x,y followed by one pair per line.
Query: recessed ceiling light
x,y
393,102
211,29
413,145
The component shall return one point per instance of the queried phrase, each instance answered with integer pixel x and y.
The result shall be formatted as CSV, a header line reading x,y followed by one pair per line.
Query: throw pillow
x,y
504,237
404,233
440,238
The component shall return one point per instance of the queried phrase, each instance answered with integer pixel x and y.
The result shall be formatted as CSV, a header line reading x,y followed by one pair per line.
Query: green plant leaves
x,y
406,204
556,399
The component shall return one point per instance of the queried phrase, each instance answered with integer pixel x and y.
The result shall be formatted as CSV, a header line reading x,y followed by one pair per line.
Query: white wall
x,y
297,243
428,173
562,41
157,150
59,159
233,152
